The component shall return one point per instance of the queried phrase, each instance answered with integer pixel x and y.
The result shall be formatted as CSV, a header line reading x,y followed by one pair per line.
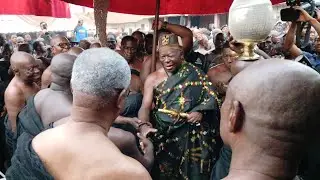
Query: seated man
x,y
134,99
184,114
21,87
267,130
100,79
60,44
52,104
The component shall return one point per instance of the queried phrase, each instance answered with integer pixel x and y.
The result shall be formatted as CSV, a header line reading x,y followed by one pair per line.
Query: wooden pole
x,y
100,17
155,37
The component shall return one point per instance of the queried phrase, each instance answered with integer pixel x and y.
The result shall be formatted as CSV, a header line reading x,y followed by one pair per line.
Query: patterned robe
x,y
185,150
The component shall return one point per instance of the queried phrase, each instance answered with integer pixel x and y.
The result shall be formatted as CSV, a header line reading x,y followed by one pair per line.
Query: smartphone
x,y
289,14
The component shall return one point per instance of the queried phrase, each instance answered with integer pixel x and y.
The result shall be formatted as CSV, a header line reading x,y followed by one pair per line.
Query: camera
x,y
291,14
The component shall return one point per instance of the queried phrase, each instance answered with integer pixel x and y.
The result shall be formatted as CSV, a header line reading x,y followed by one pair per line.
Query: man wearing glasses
x,y
60,44
220,75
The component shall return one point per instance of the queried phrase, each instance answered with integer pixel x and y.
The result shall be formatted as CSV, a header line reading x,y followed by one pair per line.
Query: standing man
x,y
39,114
80,31
187,42
28,40
220,75
267,130
21,87
13,40
111,41
140,37
60,44
148,44
99,88
205,62
44,33
184,115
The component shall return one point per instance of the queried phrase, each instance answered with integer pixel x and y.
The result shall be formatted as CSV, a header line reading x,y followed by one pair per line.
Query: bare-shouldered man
x,y
269,141
187,42
22,86
79,150
55,102
220,75
60,44
177,104
50,105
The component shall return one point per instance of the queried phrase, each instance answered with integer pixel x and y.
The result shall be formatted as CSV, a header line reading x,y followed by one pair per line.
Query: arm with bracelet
x,y
145,126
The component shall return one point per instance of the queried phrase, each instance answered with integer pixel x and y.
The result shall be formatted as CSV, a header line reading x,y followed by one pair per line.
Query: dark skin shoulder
x,y
46,78
146,68
220,76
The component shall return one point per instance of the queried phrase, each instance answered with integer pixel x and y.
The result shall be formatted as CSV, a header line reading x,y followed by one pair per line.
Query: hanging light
x,y
250,21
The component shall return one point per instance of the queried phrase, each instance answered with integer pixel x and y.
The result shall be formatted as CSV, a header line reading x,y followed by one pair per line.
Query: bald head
x,y
19,59
61,68
273,104
25,67
75,51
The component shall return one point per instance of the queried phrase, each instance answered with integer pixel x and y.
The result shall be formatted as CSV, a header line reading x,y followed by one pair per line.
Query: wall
x,y
143,25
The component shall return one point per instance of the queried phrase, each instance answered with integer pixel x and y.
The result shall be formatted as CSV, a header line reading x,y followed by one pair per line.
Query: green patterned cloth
x,y
185,150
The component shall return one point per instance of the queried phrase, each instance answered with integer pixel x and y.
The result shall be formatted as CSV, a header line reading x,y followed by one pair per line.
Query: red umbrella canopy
x,y
147,7
53,8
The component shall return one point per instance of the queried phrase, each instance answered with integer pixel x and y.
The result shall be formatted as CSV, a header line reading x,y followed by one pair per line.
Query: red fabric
x,y
147,7
53,8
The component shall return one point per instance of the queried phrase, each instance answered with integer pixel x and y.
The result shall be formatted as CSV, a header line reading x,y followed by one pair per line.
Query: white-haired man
x,y
100,79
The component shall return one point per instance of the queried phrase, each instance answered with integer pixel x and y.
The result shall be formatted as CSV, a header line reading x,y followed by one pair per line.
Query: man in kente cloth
x,y
266,128
45,109
100,78
187,42
21,87
185,116
60,44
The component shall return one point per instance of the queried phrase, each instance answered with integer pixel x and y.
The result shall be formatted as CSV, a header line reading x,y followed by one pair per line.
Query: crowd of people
x,y
84,111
